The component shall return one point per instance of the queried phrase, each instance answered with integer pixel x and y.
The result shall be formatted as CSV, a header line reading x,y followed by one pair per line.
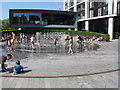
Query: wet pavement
x,y
104,58
24,50
59,63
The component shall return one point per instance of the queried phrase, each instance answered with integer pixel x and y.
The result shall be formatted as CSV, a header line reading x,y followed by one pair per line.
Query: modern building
x,y
45,19
101,16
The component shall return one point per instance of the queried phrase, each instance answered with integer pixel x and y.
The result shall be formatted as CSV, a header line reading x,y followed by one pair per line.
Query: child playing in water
x,y
38,44
70,45
17,69
8,43
55,41
32,41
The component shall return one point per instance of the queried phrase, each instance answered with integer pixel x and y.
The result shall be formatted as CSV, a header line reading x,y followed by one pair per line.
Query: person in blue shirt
x,y
17,69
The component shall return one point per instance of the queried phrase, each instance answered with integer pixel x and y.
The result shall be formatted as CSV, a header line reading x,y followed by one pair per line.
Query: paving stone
x,y
50,64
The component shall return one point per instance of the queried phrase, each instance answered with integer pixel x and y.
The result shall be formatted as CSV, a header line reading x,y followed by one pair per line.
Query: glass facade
x,y
98,8
116,27
42,19
27,18
100,25
81,26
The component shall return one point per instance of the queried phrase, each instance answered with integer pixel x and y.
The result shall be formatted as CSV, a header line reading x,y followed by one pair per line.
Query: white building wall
x,y
75,6
110,7
112,12
86,8
87,25
68,5
110,20
64,1
115,6
87,14
110,27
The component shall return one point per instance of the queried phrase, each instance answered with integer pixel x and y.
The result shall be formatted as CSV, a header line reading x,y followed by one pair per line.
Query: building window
x,y
105,10
66,5
82,15
81,26
71,3
42,19
99,25
27,18
78,1
118,7
78,8
99,4
99,11
81,7
106,2
72,9
91,4
91,13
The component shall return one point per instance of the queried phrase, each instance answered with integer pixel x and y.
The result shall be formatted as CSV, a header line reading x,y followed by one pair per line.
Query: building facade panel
x,y
98,16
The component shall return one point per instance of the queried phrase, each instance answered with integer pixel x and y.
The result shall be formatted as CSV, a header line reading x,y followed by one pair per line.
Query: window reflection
x,y
43,19
27,18
91,13
105,10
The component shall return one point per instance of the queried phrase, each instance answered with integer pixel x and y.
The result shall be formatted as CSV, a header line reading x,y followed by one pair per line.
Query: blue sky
x,y
29,5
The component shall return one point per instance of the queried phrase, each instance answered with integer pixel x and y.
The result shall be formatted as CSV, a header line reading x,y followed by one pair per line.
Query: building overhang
x,y
99,17
41,11
45,26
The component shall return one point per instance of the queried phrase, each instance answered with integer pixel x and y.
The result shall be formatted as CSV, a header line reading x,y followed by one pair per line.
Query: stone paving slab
x,y
94,81
105,58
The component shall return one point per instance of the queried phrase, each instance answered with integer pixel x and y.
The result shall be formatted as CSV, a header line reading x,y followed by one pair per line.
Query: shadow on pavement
x,y
10,70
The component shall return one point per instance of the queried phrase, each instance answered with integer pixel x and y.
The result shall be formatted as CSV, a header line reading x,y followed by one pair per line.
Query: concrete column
x,y
75,6
68,5
75,29
64,5
110,6
86,14
115,7
110,27
86,8
87,25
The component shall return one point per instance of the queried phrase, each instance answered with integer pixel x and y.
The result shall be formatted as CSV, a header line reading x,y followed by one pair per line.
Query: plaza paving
x,y
54,65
